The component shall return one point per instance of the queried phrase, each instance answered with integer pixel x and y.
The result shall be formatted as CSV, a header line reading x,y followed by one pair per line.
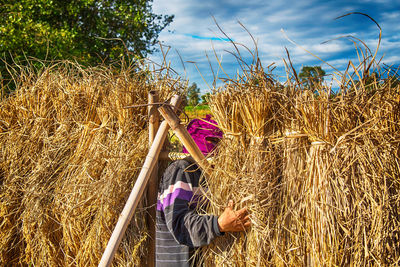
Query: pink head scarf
x,y
200,130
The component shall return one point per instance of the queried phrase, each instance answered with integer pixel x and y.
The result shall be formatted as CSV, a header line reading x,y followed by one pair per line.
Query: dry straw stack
x,y
70,154
319,172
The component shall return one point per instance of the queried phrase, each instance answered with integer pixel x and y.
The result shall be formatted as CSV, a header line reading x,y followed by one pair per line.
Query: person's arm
x,y
187,227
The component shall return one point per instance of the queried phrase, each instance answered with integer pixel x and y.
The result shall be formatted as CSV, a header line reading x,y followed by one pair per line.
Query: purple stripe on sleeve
x,y
178,193
159,205
193,202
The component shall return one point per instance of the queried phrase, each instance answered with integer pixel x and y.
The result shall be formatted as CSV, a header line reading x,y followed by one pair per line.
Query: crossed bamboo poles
x,y
147,173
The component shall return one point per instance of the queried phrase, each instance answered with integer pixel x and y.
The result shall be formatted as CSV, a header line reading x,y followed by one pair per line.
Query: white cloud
x,y
391,15
377,1
308,23
393,59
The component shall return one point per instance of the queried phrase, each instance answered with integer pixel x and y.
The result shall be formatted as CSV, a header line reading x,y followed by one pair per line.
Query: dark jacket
x,y
179,228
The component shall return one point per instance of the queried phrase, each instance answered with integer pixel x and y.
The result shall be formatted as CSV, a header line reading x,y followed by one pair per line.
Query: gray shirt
x,y
179,228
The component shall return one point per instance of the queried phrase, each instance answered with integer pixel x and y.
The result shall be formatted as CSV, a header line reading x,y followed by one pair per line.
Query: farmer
x,y
179,229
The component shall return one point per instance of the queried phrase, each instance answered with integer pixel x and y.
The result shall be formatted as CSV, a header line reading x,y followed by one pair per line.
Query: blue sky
x,y
309,23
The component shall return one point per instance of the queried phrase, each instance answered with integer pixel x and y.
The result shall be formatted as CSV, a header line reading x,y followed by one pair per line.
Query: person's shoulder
x,y
182,170
185,165
180,164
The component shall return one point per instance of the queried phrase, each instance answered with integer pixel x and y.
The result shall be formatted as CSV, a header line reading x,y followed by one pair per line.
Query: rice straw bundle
x,y
289,232
230,180
70,154
367,167
247,108
319,172
223,107
246,168
322,186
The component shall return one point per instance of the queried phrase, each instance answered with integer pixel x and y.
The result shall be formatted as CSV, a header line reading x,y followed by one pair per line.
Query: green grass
x,y
200,111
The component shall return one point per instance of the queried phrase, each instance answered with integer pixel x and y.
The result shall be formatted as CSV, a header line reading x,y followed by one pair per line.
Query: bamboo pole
x,y
137,191
151,194
154,116
185,138
172,156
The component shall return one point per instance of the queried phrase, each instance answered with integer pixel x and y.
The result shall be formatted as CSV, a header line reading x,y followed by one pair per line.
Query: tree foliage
x,y
90,31
311,75
205,98
193,96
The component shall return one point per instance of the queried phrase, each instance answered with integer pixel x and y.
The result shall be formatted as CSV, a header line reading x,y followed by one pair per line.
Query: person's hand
x,y
233,221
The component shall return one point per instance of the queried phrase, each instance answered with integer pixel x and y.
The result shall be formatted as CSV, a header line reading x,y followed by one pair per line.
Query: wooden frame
x,y
138,190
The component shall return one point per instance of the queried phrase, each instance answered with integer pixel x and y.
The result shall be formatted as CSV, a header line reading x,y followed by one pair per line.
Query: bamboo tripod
x,y
148,175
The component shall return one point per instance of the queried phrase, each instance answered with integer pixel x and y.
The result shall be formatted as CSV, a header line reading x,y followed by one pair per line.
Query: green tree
x,y
89,31
394,81
311,75
204,98
370,81
193,97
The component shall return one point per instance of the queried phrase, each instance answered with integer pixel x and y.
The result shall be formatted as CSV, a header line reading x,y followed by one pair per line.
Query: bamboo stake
x,y
151,194
185,138
137,191
171,156
154,116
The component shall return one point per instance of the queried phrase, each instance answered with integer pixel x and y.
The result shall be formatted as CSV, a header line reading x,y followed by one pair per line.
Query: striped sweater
x,y
179,229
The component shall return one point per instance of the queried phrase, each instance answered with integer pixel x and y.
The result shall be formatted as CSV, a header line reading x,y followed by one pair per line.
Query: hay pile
x,y
318,171
70,154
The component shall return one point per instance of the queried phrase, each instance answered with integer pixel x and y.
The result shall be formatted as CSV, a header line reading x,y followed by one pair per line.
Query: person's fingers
x,y
247,218
230,204
242,212
247,224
